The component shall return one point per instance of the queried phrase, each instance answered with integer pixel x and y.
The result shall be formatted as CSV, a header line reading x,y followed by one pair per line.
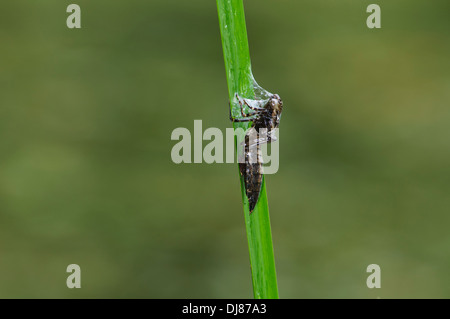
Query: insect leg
x,y
241,120
243,101
247,115
244,119
242,110
255,108
256,105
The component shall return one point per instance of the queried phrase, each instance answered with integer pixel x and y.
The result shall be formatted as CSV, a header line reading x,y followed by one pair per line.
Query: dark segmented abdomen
x,y
253,183
252,173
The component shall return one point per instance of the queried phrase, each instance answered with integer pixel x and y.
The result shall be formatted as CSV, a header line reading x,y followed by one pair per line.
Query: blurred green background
x,y
86,175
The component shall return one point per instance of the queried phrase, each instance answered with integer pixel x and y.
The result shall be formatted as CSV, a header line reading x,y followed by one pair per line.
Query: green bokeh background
x,y
86,175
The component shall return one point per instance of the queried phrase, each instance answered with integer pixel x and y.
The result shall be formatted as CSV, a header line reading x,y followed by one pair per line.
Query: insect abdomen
x,y
252,173
253,183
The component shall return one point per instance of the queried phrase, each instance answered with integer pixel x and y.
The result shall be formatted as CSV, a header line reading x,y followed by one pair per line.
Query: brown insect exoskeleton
x,y
265,115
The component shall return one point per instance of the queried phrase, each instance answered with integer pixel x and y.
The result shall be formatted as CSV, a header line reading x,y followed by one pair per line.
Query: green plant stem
x,y
240,80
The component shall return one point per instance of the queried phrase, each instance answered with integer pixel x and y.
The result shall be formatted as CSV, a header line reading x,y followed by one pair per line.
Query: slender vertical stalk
x,y
240,80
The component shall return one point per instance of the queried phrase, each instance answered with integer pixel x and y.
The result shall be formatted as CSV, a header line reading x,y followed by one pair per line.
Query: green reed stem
x,y
240,80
